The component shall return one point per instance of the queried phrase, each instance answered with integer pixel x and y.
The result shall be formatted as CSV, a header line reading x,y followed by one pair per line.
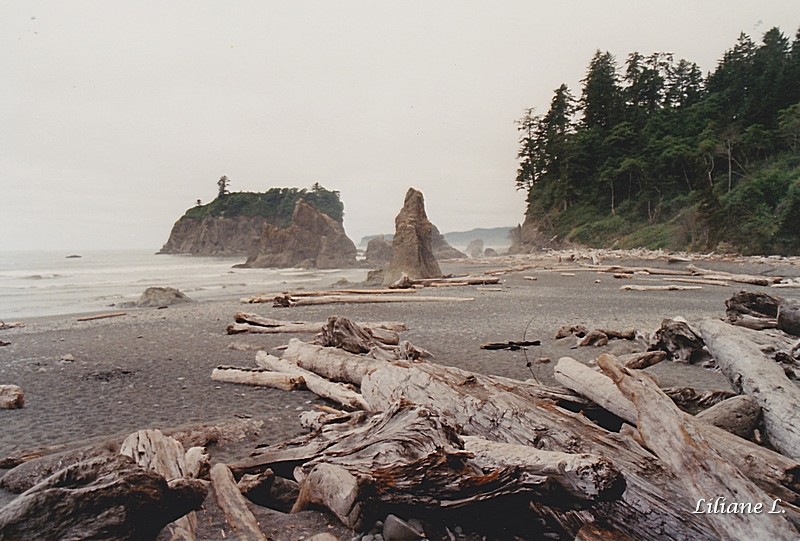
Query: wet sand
x,y
151,368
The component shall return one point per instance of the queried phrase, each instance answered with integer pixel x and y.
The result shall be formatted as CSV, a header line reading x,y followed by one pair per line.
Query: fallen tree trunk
x,y
234,505
254,323
637,287
257,376
789,316
338,392
738,415
775,473
102,498
152,450
751,372
740,278
678,441
289,302
698,281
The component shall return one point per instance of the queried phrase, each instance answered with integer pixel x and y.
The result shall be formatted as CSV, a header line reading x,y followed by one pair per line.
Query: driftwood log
x,y
287,301
678,443
254,323
751,372
105,498
11,397
257,376
234,505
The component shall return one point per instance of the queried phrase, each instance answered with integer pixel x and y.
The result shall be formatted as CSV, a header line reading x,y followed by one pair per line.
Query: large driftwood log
x,y
338,392
234,505
331,363
680,341
738,415
152,450
257,376
775,473
409,455
253,323
753,373
650,507
106,498
740,278
679,443
286,301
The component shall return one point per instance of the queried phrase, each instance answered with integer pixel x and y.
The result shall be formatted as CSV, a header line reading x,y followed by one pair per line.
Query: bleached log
x,y
287,301
694,401
738,415
679,442
680,341
698,281
740,278
331,363
257,376
263,298
582,476
234,505
338,392
773,472
637,287
300,326
336,489
102,316
751,372
646,270
153,451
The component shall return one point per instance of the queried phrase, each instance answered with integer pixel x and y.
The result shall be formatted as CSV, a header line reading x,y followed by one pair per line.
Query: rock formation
x,y
475,248
379,252
441,248
161,296
531,237
313,240
413,254
214,235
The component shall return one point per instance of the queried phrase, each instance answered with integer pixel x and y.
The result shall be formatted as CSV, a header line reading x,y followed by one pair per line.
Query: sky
x,y
117,116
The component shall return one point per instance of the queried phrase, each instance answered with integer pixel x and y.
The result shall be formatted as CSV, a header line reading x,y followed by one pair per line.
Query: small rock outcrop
x,y
11,397
312,240
490,252
379,252
475,248
441,248
214,235
413,254
161,296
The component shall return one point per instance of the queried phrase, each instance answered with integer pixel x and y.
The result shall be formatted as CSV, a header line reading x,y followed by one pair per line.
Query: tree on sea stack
x,y
223,184
413,254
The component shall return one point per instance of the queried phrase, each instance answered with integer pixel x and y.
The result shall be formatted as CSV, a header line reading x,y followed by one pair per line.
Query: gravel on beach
x,y
151,367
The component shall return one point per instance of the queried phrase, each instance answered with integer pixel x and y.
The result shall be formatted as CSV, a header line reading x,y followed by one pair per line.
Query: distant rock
x,y
530,237
379,252
11,397
490,252
74,256
413,254
161,296
441,248
475,248
312,240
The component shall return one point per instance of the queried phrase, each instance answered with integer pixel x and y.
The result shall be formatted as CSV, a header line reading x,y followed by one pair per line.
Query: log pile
x,y
438,438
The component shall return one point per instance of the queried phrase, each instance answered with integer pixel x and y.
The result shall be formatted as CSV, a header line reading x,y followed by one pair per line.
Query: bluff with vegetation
x,y
233,223
655,154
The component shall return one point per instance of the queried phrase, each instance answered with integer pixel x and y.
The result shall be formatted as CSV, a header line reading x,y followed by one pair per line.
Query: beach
x,y
150,368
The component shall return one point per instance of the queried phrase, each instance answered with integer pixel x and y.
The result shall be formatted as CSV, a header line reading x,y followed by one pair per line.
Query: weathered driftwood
x,y
481,406
102,316
257,299
340,332
254,323
738,415
570,330
14,324
694,401
338,392
234,505
152,450
645,270
257,376
11,397
457,280
331,363
698,281
105,498
637,287
411,455
640,361
594,532
740,278
31,466
680,341
751,372
513,346
286,301
680,444
789,316
773,472
269,490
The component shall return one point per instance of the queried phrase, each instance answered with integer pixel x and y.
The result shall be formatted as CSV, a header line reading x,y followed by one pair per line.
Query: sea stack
x,y
413,254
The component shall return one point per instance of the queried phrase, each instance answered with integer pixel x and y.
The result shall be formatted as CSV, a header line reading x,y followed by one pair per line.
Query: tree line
x,y
653,153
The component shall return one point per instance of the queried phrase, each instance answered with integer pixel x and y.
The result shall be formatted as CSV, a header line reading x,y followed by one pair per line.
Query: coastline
x,y
151,368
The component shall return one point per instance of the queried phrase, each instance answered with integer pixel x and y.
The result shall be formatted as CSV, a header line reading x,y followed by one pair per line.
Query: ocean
x,y
34,284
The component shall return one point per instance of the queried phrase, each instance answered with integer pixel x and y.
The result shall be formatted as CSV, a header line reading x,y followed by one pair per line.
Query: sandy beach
x,y
151,367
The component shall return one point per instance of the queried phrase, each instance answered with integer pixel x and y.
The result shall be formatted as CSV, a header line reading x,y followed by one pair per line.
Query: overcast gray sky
x,y
117,116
